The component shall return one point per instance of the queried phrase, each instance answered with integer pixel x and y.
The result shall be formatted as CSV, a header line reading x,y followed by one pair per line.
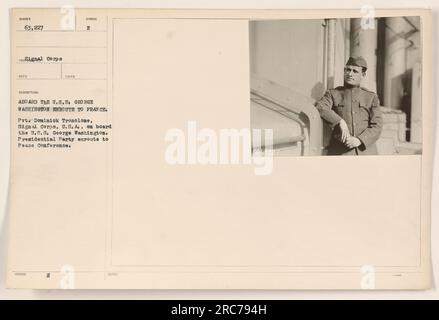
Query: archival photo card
x,y
189,149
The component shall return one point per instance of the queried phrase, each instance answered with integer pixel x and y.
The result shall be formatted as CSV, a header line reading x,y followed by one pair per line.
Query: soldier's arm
x,y
372,133
324,106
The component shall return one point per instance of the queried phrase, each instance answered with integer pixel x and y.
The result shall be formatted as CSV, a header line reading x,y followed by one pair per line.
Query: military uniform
x,y
360,110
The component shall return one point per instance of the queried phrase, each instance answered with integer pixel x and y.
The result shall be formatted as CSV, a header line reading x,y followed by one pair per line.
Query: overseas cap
x,y
357,61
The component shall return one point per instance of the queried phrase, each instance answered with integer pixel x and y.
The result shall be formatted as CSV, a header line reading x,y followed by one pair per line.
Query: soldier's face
x,y
353,75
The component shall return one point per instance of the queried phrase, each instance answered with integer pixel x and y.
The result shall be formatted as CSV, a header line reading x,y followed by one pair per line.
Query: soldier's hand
x,y
344,130
352,142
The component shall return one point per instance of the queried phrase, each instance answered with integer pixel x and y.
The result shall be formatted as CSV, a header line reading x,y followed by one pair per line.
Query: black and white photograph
x,y
178,153
348,86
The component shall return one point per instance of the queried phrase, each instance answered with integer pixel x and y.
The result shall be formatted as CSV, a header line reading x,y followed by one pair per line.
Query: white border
x,y
199,294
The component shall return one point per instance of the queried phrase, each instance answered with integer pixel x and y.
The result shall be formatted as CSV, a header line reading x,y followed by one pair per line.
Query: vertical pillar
x,y
342,44
331,53
364,42
395,63
416,110
347,38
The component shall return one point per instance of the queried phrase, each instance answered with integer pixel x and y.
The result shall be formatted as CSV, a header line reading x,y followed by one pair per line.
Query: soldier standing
x,y
352,112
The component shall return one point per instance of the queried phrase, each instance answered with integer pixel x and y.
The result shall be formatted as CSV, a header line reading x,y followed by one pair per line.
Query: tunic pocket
x,y
364,112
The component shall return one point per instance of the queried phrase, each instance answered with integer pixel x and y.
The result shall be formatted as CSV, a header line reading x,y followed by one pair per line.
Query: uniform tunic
x,y
360,110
